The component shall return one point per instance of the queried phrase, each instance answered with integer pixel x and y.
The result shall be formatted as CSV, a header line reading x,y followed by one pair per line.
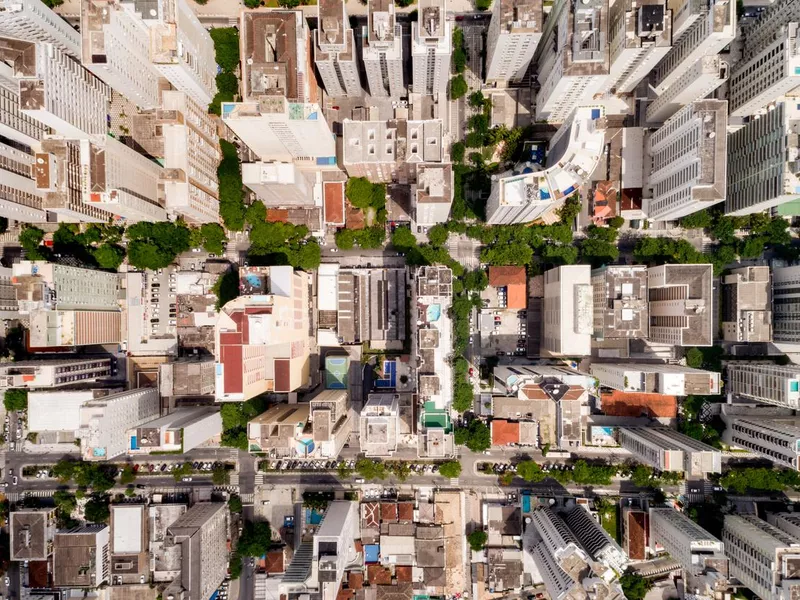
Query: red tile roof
x,y
282,375
354,217
630,404
231,359
405,511
504,432
275,561
333,193
403,574
370,514
355,581
514,279
277,215
389,512
378,575
636,534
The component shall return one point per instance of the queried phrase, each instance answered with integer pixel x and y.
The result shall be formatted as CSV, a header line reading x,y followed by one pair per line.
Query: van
x,y
359,480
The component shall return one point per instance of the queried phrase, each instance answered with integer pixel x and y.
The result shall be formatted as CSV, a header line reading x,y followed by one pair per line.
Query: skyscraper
x,y
768,383
687,542
681,300
382,50
431,48
775,438
33,20
335,50
20,200
672,380
567,312
746,305
695,83
786,306
667,450
512,39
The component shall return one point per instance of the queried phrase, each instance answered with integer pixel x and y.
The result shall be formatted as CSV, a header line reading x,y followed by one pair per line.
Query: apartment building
x,y
762,156
116,49
49,373
572,58
331,422
567,311
761,556
786,306
681,300
281,431
766,383
695,83
20,200
183,136
382,50
262,338
14,125
32,533
56,91
747,305
594,539
774,438
187,377
335,50
183,429
619,300
202,534
371,306
35,21
667,450
431,48
379,424
692,546
433,193
671,380
639,36
511,41
81,557
279,184
9,307
689,161
106,421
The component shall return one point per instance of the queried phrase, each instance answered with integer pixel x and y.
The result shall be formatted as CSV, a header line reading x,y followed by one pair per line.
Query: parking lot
x,y
160,299
503,332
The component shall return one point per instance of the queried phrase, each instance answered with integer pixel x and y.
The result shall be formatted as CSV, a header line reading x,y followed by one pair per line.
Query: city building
x,y
371,306
681,301
685,541
262,338
620,306
786,306
32,533
431,48
187,378
667,450
202,534
672,380
20,200
511,287
56,90
319,564
786,521
34,374
55,415
747,305
689,161
382,50
9,307
639,36
183,137
182,430
331,422
511,41
128,543
379,425
594,539
695,83
116,49
528,193
433,193
567,311
335,50
281,431
776,439
81,557
34,20
166,558
761,556
766,383
762,157
279,184
572,58
106,421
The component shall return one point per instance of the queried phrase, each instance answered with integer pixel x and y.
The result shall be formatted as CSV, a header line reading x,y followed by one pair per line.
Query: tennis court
x,y
336,372
389,378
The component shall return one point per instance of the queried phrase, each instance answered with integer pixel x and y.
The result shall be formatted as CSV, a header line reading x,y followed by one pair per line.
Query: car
x,y
173,322
14,480
334,249
471,372
694,490
195,465
186,479
163,467
141,486
7,581
359,480
11,471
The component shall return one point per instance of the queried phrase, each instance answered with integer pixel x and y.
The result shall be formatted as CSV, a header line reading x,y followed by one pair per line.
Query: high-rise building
x,y
335,50
379,424
768,383
689,161
511,41
762,557
181,430
82,557
262,337
681,301
747,305
594,539
202,534
763,169
688,543
639,36
32,533
371,306
572,58
775,438
431,48
116,48
9,307
34,374
671,380
786,305
331,422
698,29
567,312
788,522
433,193
667,450
382,50
33,20
20,200
279,184
56,90
279,430
619,295
14,125
105,421
695,83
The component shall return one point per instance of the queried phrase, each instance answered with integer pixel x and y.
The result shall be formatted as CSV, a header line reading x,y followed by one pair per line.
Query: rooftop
x,y
514,280
620,302
504,432
521,15
270,62
627,404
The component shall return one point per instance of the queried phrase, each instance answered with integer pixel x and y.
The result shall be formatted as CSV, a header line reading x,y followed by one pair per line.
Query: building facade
x,y
567,311
34,20
671,380
695,83
786,306
335,50
512,39
34,374
20,200
747,305
667,450
767,383
774,438
382,50
685,541
431,48
681,300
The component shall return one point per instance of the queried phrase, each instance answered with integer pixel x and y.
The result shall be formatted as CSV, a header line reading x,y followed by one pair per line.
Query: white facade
x,y
379,424
695,83
19,198
595,540
105,421
335,51
776,439
512,39
681,297
13,123
57,410
433,193
32,20
683,539
431,48
667,450
786,306
671,380
382,50
768,383
278,184
53,373
182,430
62,287
689,161
567,311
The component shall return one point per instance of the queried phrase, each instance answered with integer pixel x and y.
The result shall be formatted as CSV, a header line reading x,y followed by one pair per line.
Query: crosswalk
x,y
454,481
261,478
18,496
247,499
234,479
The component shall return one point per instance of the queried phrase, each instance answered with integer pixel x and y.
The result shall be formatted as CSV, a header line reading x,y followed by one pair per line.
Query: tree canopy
x,y
476,436
16,399
450,469
477,540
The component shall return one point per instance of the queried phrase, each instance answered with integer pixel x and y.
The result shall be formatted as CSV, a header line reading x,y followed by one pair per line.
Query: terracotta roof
x,y
575,392
275,561
388,511
345,594
504,432
402,574
277,215
353,217
355,580
636,534
282,375
370,514
333,193
533,392
405,511
630,404
514,279
631,199
378,575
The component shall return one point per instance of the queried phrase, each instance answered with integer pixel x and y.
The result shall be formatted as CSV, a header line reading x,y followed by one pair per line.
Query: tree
x,y
457,152
359,192
459,52
109,256
64,469
219,476
476,280
642,476
616,222
345,239
96,509
694,358
229,176
235,564
128,475
458,87
30,239
530,471
235,503
214,238
252,3
477,540
65,502
369,469
463,396
226,47
343,471
403,239
226,288
256,213
476,99
438,234
476,436
634,586
450,469
255,540
506,478
16,399
482,4
701,219
182,471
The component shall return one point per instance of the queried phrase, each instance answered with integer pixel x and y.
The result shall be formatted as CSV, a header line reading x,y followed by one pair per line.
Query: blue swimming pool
x,y
434,312
526,503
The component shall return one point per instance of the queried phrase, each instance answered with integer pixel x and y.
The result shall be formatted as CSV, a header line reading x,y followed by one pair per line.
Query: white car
x,y
334,249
